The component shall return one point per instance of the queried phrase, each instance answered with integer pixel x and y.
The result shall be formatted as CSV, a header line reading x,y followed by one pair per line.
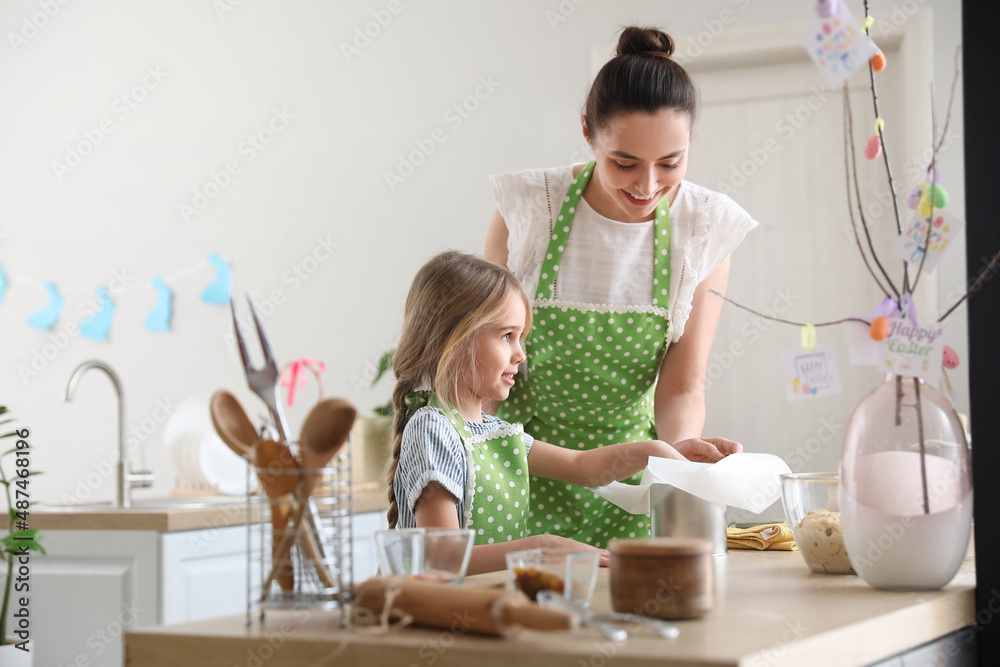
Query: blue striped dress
x,y
432,451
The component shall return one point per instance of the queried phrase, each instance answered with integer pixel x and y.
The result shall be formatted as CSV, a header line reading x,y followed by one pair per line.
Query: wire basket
x,y
302,558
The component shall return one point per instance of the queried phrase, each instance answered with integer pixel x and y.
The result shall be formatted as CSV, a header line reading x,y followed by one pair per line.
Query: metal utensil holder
x,y
311,566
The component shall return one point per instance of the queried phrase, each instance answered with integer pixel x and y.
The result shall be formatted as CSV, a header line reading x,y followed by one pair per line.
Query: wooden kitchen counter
x,y
165,519
769,610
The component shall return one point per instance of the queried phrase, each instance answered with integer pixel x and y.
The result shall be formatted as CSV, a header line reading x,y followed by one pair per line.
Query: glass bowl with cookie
x,y
813,512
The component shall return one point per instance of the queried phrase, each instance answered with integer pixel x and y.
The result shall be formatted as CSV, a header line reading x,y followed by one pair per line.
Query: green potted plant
x,y
373,434
15,650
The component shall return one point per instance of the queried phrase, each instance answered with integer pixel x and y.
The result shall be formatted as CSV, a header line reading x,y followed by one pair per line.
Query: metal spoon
x,y
662,628
555,600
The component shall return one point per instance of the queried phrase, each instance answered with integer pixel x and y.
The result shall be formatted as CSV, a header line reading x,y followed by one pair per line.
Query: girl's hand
x,y
665,451
548,541
707,450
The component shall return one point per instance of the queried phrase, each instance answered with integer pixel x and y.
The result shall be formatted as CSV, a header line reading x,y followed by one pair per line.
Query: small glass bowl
x,y
813,512
570,573
431,554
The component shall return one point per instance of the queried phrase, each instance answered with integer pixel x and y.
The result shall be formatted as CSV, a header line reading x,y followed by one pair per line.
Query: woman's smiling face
x,y
641,158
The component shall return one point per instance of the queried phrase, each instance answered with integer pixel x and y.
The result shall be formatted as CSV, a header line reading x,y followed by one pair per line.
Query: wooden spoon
x,y
324,432
277,470
231,422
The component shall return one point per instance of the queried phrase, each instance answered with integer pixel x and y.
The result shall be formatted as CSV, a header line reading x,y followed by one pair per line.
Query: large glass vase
x,y
905,487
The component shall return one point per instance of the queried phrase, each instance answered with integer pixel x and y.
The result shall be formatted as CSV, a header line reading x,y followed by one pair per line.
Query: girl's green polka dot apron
x,y
591,373
496,479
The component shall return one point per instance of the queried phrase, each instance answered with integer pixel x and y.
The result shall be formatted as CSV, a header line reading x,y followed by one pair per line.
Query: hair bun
x,y
639,40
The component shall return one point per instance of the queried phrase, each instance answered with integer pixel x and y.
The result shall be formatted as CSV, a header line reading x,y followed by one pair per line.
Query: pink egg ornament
x,y
949,358
873,147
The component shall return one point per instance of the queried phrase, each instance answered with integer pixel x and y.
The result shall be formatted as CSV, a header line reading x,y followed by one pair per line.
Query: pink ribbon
x,y
290,374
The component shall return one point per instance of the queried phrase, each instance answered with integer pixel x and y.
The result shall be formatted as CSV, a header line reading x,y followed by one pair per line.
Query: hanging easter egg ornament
x,y
949,358
913,198
939,195
924,207
933,172
878,61
827,8
873,147
879,328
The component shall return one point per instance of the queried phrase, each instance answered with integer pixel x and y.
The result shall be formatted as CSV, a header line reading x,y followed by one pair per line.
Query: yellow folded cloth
x,y
773,536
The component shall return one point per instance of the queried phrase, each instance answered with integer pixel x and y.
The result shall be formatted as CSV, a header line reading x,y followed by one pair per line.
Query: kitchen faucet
x,y
126,480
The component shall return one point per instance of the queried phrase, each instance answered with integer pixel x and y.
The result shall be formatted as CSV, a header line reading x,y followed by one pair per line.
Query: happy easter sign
x,y
912,349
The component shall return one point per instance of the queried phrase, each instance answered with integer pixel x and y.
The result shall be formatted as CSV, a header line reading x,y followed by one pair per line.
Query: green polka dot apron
x,y
591,373
496,479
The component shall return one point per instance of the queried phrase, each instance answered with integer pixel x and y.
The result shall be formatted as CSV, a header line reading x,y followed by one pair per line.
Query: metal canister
x,y
676,513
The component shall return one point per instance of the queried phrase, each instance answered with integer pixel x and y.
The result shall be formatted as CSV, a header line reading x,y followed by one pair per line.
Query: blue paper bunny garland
x,y
100,309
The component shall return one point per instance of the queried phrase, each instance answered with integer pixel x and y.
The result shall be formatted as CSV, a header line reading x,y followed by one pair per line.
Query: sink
x,y
174,502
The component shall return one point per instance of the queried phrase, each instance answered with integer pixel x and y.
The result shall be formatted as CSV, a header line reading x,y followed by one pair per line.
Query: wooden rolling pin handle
x,y
479,610
538,618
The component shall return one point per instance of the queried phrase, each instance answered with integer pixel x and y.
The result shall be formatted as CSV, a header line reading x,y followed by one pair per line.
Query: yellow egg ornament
x,y
924,207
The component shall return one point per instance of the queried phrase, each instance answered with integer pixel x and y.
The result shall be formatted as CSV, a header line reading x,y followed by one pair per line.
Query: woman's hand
x,y
707,450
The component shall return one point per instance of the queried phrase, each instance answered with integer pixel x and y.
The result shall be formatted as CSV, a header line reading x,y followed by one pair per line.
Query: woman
x,y
623,319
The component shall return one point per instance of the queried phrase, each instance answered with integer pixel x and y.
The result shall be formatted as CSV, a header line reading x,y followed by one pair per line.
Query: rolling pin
x,y
479,610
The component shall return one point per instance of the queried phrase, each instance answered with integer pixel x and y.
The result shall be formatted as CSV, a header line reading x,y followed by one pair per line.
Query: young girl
x,y
454,466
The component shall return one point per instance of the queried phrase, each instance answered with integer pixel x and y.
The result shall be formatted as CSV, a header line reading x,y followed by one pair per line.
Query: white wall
x,y
322,176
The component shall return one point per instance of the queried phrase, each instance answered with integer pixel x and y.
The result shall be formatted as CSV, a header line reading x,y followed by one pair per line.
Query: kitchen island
x,y
163,561
769,610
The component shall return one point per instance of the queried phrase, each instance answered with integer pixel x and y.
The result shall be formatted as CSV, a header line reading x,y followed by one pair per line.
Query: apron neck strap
x,y
450,411
560,234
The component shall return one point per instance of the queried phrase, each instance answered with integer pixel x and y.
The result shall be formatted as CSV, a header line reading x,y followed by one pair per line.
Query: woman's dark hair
x,y
641,77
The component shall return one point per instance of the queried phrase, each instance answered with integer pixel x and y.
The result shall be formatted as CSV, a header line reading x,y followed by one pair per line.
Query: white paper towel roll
x,y
747,481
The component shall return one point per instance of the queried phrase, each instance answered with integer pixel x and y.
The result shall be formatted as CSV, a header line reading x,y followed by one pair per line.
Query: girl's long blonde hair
x,y
452,298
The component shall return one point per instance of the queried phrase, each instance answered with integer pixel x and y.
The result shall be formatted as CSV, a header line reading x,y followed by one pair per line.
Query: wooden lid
x,y
661,546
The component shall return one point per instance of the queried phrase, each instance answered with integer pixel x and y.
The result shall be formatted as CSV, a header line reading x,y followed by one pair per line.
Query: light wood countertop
x,y
367,498
769,610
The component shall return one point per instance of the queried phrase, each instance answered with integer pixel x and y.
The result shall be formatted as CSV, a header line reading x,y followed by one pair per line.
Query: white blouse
x,y
611,262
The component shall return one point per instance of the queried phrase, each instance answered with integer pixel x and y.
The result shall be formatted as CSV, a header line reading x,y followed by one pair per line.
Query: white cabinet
x,y
92,585
89,588
204,573
365,555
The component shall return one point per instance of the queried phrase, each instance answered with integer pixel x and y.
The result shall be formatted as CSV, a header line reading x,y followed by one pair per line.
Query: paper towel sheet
x,y
747,481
